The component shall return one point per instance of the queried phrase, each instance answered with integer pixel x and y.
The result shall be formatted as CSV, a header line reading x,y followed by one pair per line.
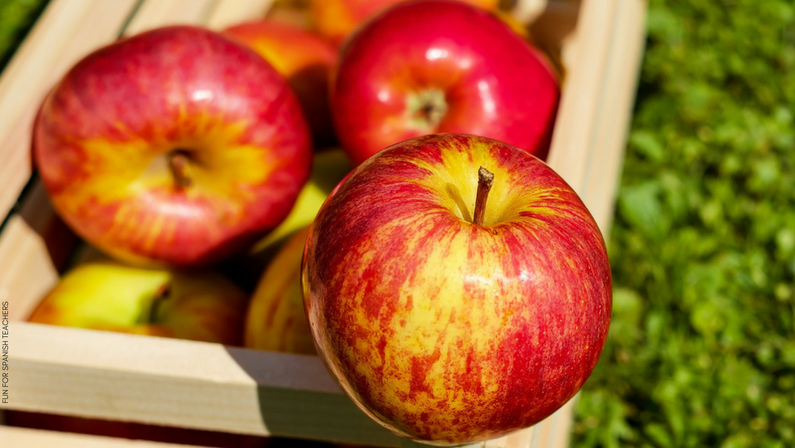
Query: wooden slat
x,y
58,40
33,247
526,11
28,274
187,384
587,54
617,95
33,438
184,384
575,123
231,12
155,13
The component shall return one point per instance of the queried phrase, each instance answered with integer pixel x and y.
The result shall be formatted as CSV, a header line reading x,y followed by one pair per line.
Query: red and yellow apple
x,y
276,320
435,66
304,59
177,146
336,19
106,295
448,314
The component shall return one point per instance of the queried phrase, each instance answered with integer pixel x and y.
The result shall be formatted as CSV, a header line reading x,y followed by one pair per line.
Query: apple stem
x,y
485,181
160,296
177,162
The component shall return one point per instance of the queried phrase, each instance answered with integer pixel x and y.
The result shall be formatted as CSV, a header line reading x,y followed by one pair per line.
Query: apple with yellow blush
x,y
304,59
337,19
275,320
174,147
328,169
107,295
457,288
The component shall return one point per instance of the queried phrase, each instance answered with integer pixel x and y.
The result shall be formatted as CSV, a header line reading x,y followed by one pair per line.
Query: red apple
x,y
435,66
275,319
450,322
304,59
336,19
176,146
200,306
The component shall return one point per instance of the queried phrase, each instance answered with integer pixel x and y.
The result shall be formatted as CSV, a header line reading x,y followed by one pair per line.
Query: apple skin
x,y
445,331
304,59
459,70
276,320
336,19
328,169
106,295
105,138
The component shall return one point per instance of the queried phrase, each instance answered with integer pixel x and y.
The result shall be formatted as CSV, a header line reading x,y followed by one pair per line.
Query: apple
x,y
336,19
435,66
328,169
275,320
447,314
106,295
177,146
304,59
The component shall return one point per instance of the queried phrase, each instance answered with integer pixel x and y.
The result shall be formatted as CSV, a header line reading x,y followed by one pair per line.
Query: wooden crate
x,y
211,386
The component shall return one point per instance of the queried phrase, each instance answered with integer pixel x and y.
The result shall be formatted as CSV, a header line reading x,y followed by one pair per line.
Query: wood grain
x,y
33,247
575,123
187,384
617,95
231,12
156,13
33,438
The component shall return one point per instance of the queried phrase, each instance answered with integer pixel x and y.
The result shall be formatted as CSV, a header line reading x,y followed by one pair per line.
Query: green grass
x,y
701,349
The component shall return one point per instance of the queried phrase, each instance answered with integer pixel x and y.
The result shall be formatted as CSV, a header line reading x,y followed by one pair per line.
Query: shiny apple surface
x,y
447,331
437,66
177,146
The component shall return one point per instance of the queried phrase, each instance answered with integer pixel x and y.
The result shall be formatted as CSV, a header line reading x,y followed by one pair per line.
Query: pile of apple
x,y
456,287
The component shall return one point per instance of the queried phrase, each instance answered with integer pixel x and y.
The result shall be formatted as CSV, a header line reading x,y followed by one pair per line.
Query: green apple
x,y
106,295
328,169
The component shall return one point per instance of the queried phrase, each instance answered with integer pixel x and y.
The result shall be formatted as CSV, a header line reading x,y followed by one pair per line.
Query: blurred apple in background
x,y
304,59
200,306
435,66
328,169
448,314
336,19
276,320
177,146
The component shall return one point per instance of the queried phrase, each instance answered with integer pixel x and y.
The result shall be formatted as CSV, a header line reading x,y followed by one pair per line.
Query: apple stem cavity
x,y
485,181
427,108
178,160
